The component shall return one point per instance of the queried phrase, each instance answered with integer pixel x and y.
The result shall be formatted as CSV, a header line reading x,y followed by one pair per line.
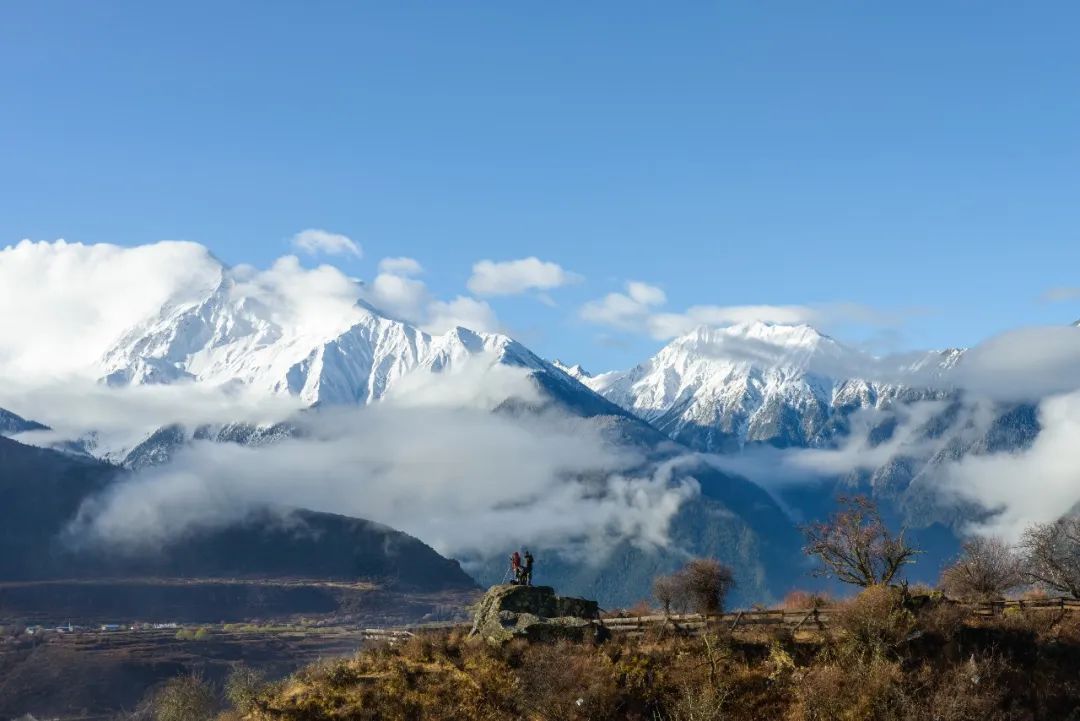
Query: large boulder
x,y
534,613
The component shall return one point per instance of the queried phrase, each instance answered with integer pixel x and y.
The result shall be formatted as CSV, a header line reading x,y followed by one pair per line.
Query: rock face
x,y
534,613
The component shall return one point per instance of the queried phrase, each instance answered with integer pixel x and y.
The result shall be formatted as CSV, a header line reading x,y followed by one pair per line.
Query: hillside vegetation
x,y
881,659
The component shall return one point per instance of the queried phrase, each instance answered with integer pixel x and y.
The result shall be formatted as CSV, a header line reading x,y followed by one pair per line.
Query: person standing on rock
x,y
526,576
515,566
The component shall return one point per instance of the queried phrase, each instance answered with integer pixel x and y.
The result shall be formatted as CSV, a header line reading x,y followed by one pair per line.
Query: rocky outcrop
x,y
535,613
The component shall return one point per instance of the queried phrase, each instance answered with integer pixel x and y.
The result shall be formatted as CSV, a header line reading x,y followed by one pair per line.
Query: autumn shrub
x,y
557,683
832,692
874,622
799,600
973,690
874,665
943,618
184,698
699,703
243,688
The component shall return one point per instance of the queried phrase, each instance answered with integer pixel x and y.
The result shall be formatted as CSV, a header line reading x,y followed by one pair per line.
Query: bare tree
x,y
987,569
855,546
1053,555
669,591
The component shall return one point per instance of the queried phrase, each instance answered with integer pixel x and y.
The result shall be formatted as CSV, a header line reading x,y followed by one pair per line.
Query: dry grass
x,y
882,661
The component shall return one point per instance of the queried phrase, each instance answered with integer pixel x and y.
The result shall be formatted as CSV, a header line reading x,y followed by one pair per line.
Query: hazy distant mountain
x,y
10,424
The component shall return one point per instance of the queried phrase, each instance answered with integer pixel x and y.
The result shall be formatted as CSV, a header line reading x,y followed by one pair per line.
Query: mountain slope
x,y
228,335
43,491
10,424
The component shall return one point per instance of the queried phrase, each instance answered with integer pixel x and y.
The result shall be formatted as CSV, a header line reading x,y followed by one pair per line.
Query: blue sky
x,y
918,161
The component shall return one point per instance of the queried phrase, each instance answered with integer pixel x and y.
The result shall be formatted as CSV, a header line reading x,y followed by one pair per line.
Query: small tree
x,y
703,584
184,698
856,547
243,687
1053,555
987,569
707,583
668,590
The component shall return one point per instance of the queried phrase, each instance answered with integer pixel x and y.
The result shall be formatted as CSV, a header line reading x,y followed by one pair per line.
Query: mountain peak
x,y
574,371
758,343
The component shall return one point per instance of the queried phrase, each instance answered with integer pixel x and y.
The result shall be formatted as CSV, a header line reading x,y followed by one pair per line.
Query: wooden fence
x,y
800,619
693,624
806,619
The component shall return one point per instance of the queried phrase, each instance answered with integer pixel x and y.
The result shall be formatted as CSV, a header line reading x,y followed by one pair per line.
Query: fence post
x,y
805,618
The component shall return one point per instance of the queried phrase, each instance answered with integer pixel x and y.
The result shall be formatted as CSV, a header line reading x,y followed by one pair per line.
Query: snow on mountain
x,y
575,371
229,337
718,389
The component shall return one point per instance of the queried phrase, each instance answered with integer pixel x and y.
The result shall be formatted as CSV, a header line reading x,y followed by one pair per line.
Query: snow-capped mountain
x,y
229,337
574,371
718,389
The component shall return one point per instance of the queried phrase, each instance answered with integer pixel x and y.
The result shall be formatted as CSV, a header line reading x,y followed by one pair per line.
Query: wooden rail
x,y
799,619
390,635
694,624
805,619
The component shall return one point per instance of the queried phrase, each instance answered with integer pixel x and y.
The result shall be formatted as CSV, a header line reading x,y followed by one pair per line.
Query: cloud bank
x,y
432,460
63,304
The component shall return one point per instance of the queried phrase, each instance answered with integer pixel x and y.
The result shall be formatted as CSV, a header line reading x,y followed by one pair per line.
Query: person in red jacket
x,y
515,567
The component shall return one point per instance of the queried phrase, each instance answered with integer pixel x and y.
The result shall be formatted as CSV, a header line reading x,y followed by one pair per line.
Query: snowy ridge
x,y
718,389
228,337
574,371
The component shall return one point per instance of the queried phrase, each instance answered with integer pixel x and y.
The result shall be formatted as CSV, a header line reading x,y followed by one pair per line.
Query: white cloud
x,y
464,479
626,311
400,297
645,294
407,298
400,266
637,310
63,304
114,419
1034,485
305,301
314,240
1023,364
668,325
518,276
461,311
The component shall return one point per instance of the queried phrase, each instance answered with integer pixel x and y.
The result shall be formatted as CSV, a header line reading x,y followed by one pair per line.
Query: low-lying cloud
x,y
432,460
1037,484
